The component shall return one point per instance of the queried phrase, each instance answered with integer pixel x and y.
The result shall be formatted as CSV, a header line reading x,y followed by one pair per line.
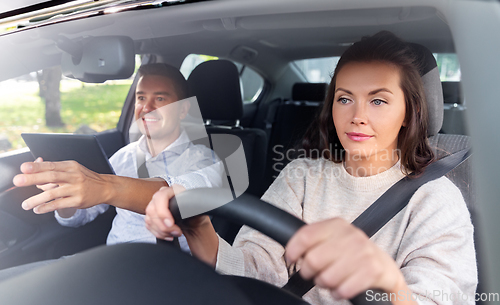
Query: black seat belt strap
x,y
398,196
388,205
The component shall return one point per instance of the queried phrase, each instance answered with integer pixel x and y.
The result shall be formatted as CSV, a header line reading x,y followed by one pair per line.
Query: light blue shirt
x,y
182,163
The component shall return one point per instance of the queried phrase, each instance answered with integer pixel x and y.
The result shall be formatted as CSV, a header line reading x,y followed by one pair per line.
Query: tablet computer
x,y
82,148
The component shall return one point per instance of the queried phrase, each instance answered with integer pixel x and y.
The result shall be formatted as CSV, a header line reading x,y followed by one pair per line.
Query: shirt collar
x,y
177,147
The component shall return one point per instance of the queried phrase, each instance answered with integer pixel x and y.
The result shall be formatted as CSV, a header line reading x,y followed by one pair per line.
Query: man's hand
x,y
342,258
198,230
160,221
65,184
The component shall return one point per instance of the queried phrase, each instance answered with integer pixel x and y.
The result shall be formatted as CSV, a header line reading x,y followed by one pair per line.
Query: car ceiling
x,y
261,34
18,5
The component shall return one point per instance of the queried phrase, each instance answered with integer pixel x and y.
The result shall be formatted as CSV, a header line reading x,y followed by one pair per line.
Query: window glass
x,y
192,61
449,67
46,101
317,70
251,82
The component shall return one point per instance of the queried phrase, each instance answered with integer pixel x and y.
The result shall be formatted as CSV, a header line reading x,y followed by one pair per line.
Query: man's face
x,y
157,111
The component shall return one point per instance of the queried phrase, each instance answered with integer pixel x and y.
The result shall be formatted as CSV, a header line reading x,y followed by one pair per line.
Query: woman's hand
x,y
341,257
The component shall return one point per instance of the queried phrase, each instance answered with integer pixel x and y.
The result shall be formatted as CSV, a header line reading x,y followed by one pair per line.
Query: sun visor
x,y
98,59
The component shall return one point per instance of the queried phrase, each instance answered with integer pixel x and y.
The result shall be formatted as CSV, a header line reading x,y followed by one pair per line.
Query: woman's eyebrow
x,y
379,90
369,93
342,89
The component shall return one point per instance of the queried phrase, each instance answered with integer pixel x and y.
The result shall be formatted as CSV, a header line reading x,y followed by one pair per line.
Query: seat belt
x,y
142,172
387,206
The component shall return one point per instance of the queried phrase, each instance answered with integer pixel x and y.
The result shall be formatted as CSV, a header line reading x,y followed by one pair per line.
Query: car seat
x,y
216,85
290,123
446,144
454,109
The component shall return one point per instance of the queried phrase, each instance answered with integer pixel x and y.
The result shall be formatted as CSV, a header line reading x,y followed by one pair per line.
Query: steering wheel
x,y
253,212
134,273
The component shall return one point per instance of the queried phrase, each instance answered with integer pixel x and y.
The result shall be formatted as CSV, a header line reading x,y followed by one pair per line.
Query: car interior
x,y
251,82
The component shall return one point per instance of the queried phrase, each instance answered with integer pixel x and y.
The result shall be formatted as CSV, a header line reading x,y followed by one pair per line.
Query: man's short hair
x,y
170,72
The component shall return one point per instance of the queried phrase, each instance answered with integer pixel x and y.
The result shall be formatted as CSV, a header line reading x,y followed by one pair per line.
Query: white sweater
x,y
431,240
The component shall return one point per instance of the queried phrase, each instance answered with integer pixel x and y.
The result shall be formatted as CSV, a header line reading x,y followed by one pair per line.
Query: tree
x,y
49,80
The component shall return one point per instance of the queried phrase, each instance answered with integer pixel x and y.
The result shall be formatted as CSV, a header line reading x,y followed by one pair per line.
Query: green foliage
x,y
99,107
96,106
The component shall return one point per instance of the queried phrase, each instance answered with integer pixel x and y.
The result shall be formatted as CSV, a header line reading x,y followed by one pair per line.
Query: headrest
x,y
452,92
216,85
432,86
312,92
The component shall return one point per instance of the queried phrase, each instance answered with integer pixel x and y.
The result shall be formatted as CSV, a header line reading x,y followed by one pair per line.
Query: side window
x,y
252,83
450,75
449,67
46,101
317,70
454,101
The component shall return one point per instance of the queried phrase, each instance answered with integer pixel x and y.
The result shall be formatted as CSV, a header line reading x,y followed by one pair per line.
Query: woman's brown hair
x,y
384,46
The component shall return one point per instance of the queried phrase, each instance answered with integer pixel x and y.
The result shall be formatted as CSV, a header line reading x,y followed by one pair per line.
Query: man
x,y
78,195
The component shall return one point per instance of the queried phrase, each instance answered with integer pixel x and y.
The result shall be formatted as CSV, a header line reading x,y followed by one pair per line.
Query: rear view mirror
x,y
97,59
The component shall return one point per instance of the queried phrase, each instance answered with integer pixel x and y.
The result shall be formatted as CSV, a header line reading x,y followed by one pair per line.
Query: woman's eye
x,y
378,102
344,101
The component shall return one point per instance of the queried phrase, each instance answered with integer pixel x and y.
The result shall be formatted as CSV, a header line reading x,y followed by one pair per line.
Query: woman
x,y
370,134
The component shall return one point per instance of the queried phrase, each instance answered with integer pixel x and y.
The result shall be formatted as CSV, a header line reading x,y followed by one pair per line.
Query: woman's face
x,y
368,111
